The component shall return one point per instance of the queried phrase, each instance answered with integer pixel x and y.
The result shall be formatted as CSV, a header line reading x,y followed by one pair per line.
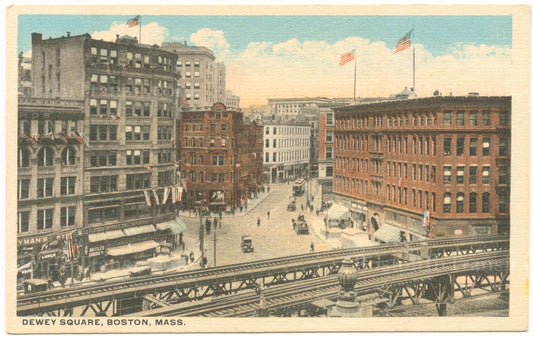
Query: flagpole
x,y
413,59
354,74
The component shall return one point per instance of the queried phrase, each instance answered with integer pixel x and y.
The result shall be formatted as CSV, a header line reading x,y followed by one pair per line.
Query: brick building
x,y
50,181
129,95
326,147
219,164
446,157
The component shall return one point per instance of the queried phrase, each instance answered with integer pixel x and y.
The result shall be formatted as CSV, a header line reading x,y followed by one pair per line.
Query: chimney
x,y
36,37
68,34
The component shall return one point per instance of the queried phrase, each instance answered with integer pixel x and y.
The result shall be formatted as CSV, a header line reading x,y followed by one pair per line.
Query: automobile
x,y
300,226
246,244
292,206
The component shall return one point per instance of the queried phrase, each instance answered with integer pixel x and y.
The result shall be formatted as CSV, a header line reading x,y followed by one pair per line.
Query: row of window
x,y
104,84
199,141
104,184
287,143
133,132
45,218
450,117
45,187
45,157
46,127
286,156
473,146
136,60
198,177
287,130
503,203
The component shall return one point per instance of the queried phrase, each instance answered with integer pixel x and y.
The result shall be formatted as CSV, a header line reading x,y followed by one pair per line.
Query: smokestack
x,y
68,34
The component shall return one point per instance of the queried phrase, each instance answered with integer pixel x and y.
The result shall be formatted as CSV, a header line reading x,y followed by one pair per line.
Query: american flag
x,y
79,137
133,21
32,140
71,245
184,183
165,195
179,193
404,42
147,197
63,136
426,218
115,117
148,166
347,57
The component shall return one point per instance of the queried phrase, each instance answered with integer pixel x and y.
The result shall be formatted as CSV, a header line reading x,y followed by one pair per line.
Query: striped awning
x,y
97,237
387,234
116,234
177,226
139,230
108,235
337,211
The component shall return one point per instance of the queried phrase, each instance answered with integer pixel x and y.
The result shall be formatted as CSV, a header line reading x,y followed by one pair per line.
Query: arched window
x,y
485,202
447,202
473,202
460,202
45,157
68,156
24,157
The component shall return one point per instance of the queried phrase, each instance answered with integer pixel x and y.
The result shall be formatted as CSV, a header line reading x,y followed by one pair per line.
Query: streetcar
x,y
298,188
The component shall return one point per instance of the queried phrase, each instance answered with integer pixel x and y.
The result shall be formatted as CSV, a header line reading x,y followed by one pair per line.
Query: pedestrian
x,y
258,222
220,216
268,189
312,247
268,215
302,207
215,222
191,256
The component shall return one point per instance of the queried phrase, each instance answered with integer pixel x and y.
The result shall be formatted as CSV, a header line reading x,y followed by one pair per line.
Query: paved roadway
x,y
275,236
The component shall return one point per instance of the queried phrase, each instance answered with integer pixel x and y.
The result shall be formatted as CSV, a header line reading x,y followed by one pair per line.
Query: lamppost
x,y
347,304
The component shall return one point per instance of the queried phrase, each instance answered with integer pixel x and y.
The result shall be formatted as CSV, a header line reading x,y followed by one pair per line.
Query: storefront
x,y
358,214
338,216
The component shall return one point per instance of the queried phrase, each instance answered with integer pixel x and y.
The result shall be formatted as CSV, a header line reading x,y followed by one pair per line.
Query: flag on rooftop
x,y
404,42
133,21
347,57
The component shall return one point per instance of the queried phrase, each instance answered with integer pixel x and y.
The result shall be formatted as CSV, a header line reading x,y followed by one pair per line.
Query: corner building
x,y
446,157
220,158
128,98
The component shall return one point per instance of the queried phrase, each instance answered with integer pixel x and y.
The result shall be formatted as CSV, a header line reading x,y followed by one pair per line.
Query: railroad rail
x,y
229,279
382,280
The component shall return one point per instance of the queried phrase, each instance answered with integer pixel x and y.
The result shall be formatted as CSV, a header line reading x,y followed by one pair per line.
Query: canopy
x,y
139,230
103,236
132,248
337,211
177,226
387,233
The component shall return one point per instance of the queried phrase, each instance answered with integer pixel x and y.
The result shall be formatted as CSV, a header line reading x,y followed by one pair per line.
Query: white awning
x,y
337,211
139,230
387,234
97,237
177,226
114,234
132,248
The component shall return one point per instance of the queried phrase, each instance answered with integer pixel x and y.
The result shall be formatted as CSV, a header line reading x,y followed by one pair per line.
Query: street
x,y
274,237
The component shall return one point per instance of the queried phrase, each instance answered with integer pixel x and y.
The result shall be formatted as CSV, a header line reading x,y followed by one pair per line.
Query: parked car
x,y
246,244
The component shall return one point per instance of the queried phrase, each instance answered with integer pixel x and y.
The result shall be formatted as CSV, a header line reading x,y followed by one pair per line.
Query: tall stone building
x,y
128,95
203,79
436,166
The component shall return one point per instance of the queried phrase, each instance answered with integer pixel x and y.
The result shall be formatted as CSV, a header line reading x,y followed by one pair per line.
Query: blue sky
x,y
436,33
297,56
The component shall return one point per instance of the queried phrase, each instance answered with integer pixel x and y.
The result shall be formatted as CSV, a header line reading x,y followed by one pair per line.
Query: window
x,y
221,177
503,118
329,119
138,181
447,117
486,146
503,202
503,175
274,130
45,218
447,146
485,202
329,136
67,216
473,146
329,152
460,174
473,117
486,175
24,157
23,223
447,202
460,118
23,189
329,171
486,118
103,132
460,146
503,147
267,130
473,175
218,160
45,187
103,184
165,178
68,156
68,185
274,143
460,202
473,202
267,157
45,157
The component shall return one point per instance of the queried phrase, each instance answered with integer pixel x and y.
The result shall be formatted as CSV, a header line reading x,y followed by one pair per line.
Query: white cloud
x,y
212,39
152,33
310,68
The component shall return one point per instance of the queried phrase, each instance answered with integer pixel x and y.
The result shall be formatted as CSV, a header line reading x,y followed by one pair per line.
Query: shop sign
x,y
96,251
356,206
41,239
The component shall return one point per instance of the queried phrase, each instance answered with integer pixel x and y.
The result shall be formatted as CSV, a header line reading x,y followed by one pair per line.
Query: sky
x,y
297,56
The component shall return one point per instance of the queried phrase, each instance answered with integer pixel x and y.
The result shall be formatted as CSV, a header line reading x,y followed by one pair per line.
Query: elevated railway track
x,y
438,280
105,298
